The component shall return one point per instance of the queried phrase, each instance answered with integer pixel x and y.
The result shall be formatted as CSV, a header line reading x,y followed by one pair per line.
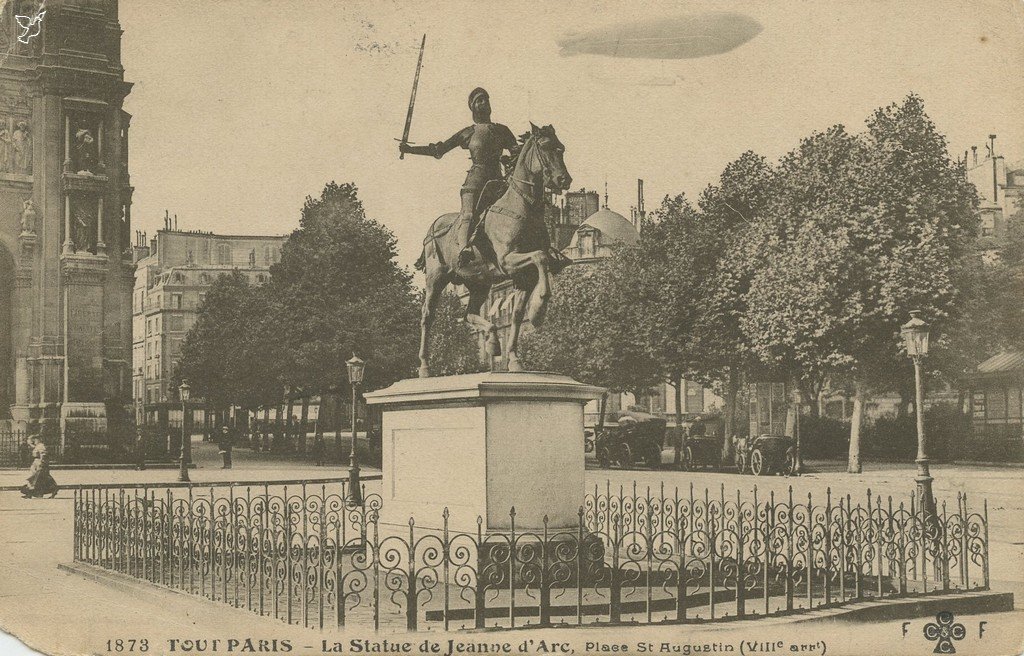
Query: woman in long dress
x,y
40,483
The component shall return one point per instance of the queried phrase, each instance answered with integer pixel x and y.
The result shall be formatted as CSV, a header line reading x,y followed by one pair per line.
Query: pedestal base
x,y
481,445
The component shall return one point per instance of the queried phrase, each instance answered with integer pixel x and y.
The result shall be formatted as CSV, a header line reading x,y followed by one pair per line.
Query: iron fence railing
x,y
309,556
14,450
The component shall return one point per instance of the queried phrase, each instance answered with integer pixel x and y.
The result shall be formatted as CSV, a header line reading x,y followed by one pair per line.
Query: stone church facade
x,y
66,271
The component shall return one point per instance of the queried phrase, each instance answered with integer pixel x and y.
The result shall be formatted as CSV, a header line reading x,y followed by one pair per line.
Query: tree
x,y
453,346
338,290
732,214
589,331
864,229
221,355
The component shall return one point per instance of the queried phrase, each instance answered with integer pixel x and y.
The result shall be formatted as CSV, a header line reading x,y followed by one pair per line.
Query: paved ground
x,y
62,614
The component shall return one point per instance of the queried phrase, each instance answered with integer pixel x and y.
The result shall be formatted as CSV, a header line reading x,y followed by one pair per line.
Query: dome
x,y
614,228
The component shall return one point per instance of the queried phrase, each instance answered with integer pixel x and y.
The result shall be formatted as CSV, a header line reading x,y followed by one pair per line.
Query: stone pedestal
x,y
481,444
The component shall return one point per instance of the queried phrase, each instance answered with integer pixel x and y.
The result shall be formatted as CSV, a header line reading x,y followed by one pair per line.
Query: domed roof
x,y
614,228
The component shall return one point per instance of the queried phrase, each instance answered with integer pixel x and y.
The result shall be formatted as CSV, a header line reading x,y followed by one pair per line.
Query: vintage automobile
x,y
766,454
702,451
637,438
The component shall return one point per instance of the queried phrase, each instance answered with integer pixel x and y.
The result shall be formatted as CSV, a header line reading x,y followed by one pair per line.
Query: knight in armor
x,y
486,142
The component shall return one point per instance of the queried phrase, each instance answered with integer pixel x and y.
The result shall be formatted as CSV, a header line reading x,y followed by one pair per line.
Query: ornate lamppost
x,y
355,377
915,339
186,443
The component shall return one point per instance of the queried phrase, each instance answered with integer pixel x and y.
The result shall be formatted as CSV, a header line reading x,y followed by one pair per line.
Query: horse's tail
x,y
421,263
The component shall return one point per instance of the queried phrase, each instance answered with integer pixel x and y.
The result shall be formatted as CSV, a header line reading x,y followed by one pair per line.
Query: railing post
x,y
615,591
945,550
789,551
512,568
446,555
410,610
545,580
481,563
810,552
741,604
984,547
579,563
681,525
827,529
712,539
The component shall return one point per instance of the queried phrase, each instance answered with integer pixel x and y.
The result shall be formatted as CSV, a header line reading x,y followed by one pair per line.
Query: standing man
x,y
140,449
224,447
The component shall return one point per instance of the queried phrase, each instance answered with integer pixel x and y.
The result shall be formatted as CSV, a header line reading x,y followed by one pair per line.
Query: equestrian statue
x,y
499,234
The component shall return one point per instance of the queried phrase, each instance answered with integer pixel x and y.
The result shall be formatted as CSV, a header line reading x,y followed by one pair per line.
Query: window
x,y
177,323
204,278
176,301
267,257
223,254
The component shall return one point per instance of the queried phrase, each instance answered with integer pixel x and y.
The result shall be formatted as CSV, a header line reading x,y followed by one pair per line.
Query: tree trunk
x,y
337,423
289,425
303,419
853,464
600,414
680,441
731,391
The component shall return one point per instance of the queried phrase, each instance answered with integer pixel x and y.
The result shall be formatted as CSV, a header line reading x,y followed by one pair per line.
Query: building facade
x,y
65,213
173,272
1001,187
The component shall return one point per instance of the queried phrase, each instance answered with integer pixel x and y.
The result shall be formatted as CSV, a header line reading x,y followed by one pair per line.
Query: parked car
x,y
766,454
637,437
702,451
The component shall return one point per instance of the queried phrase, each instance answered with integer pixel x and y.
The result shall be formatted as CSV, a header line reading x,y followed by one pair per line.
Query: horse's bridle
x,y
545,166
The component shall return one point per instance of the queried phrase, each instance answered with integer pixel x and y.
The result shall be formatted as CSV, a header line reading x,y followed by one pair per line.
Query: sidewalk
x,y
247,466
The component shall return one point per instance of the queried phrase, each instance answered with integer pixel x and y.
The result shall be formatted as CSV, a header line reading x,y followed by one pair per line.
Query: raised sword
x,y
412,99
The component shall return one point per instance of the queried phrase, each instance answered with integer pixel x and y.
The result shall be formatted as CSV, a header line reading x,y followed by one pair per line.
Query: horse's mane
x,y
512,160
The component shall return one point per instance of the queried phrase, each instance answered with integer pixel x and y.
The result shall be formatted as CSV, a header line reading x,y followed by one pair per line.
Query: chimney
x,y
175,221
974,149
606,193
995,176
641,211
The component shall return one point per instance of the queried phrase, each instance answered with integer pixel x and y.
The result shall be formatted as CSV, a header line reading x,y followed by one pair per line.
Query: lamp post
x,y
186,444
355,377
915,339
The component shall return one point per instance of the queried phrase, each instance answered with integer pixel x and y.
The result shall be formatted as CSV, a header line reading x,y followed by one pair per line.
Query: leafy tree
x,y
731,214
221,356
338,290
453,346
589,332
865,228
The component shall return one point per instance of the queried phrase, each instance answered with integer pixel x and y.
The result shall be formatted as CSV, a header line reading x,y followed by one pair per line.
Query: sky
x,y
242,108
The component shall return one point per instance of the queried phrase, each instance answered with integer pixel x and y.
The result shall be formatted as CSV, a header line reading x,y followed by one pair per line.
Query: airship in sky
x,y
683,37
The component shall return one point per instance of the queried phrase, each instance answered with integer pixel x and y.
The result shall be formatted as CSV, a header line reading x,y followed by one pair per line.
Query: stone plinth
x,y
480,444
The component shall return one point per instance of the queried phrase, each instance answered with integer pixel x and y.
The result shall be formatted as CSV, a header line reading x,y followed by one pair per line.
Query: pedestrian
x,y
40,483
140,449
224,447
319,449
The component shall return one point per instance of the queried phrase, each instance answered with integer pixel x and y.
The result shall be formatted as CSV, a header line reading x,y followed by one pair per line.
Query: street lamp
x,y
915,339
355,377
186,444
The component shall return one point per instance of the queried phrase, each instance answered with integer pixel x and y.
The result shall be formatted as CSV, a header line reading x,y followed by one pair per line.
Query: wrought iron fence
x,y
309,556
14,450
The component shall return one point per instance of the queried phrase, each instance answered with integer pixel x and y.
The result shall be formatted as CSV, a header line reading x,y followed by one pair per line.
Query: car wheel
x,y
624,456
688,461
653,456
757,464
790,463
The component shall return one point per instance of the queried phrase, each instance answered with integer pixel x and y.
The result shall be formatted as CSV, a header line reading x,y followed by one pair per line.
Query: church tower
x,y
66,272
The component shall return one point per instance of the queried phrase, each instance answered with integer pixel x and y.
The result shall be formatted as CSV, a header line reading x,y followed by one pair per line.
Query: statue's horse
x,y
516,248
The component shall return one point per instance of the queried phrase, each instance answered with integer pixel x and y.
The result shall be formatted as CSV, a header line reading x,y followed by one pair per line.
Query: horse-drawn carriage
x,y
766,454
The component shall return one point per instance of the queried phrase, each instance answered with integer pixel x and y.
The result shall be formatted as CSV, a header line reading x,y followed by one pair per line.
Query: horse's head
x,y
545,157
